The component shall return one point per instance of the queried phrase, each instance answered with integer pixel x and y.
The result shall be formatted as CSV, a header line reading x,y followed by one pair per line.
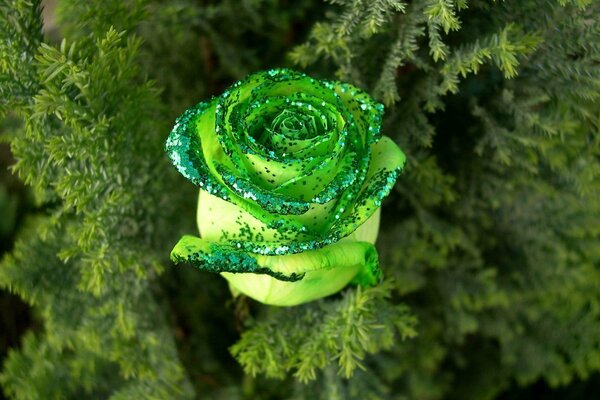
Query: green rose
x,y
292,171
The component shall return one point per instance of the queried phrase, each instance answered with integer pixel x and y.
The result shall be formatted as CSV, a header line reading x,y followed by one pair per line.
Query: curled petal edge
x,y
284,280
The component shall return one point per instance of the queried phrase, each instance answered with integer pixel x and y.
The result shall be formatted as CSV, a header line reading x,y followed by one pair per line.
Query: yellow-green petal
x,y
290,279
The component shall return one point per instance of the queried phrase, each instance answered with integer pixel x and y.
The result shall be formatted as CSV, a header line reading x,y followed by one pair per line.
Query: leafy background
x,y
490,241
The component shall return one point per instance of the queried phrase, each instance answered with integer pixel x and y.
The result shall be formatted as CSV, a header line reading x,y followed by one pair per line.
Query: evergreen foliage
x,y
489,244
344,330
89,263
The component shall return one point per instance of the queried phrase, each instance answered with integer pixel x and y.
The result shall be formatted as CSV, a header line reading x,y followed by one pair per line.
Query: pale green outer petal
x,y
220,220
368,231
326,270
291,279
314,285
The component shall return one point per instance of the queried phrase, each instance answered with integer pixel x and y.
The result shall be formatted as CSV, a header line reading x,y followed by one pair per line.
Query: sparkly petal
x,y
386,164
223,220
284,280
366,113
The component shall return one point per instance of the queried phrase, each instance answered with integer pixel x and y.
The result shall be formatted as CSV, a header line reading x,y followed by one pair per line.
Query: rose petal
x,y
284,280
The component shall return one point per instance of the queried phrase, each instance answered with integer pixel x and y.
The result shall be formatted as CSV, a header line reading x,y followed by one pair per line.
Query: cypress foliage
x,y
489,245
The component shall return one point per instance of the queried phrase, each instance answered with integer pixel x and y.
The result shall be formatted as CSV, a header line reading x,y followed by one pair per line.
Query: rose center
x,y
294,126
288,126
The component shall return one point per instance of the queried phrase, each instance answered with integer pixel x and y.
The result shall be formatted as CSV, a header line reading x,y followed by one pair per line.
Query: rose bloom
x,y
292,171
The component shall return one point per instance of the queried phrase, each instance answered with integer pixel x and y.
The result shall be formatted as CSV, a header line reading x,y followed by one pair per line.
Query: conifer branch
x,y
362,322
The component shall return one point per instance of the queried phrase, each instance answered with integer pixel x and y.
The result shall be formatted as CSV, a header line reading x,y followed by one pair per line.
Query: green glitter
x,y
214,257
303,157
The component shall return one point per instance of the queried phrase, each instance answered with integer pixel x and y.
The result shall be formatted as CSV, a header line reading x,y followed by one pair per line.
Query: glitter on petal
x,y
302,164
